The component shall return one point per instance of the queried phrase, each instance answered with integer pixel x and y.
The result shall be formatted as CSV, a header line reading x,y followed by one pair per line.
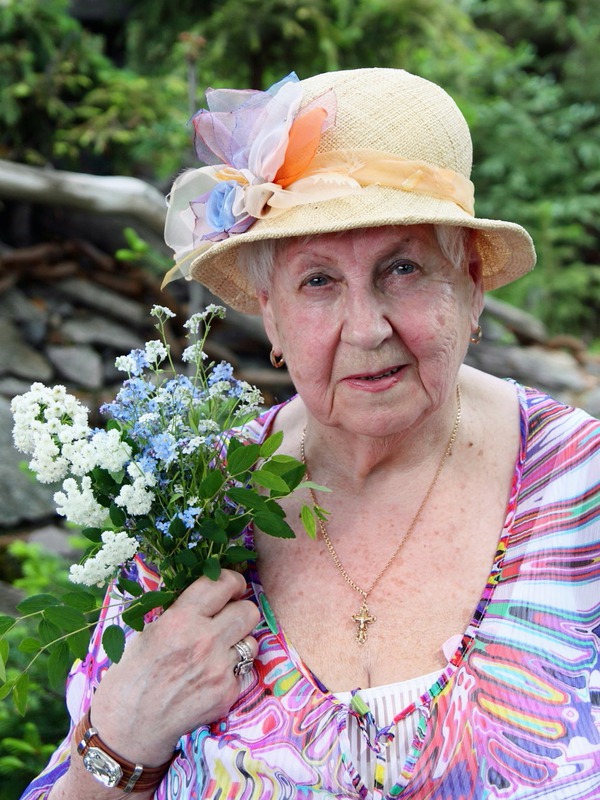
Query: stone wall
x,y
67,310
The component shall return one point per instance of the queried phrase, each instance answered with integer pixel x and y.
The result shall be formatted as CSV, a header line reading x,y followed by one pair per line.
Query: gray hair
x,y
257,259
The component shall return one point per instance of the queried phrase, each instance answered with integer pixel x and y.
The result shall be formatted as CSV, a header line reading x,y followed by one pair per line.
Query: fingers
x,y
214,611
209,597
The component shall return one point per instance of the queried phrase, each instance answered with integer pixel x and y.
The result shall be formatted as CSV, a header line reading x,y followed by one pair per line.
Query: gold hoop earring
x,y
276,361
475,337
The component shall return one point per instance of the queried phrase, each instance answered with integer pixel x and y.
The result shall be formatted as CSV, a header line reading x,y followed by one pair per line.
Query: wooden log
x,y
112,194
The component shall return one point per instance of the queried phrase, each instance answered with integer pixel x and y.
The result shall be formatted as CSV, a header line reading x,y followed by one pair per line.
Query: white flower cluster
x,y
193,444
78,504
250,396
162,311
117,548
219,388
52,426
194,322
194,353
136,498
105,449
155,351
126,363
112,453
45,421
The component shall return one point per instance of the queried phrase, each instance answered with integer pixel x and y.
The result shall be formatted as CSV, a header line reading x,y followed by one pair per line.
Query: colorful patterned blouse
x,y
514,716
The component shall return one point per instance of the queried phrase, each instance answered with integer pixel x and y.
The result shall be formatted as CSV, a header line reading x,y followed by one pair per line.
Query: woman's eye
x,y
402,268
316,281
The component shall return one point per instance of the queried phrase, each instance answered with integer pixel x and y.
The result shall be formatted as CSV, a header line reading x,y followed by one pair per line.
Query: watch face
x,y
104,768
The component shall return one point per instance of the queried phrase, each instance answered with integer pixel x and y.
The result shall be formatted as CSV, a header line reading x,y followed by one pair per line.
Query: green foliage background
x,y
27,742
525,73
115,97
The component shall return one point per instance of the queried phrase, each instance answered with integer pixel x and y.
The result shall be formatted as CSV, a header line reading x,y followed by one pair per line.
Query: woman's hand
x,y
178,673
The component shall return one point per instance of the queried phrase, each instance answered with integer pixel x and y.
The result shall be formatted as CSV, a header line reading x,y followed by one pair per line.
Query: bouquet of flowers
x,y
172,478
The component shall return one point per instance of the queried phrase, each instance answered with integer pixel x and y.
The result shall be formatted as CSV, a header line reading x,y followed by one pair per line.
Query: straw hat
x,y
390,148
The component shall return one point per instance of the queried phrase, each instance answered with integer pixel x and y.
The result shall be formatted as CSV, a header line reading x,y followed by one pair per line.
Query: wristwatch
x,y
111,769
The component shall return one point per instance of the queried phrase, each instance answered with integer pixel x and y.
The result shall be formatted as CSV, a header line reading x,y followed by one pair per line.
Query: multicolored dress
x,y
515,715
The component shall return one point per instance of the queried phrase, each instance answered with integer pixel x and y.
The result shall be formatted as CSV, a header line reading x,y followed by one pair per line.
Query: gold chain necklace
x,y
364,617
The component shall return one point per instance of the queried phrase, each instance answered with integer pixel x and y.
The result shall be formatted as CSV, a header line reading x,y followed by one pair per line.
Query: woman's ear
x,y
266,307
476,275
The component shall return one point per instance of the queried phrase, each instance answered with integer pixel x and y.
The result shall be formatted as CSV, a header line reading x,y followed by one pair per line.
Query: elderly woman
x,y
441,637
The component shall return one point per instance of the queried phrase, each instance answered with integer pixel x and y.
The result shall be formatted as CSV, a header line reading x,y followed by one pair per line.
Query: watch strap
x,y
136,777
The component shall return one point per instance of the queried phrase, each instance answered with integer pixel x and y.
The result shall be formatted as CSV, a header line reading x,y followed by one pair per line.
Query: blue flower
x,y
134,363
188,516
222,372
164,447
147,463
163,526
126,405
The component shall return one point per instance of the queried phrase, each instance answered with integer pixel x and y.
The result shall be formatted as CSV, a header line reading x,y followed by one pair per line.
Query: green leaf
x,y
48,631
236,524
156,599
29,644
247,498
134,617
37,603
268,480
242,459
308,521
117,516
185,558
211,484
80,599
285,461
221,518
273,507
93,534
271,444
103,482
312,485
293,476
113,642
128,586
177,528
58,666
20,691
113,425
274,525
78,644
118,476
238,554
288,468
67,619
212,568
234,444
4,651
6,689
208,529
6,623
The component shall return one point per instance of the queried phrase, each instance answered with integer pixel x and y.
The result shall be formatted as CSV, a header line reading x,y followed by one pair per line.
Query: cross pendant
x,y
362,619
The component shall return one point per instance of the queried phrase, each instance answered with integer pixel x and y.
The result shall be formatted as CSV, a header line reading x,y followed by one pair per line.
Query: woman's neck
x,y
356,460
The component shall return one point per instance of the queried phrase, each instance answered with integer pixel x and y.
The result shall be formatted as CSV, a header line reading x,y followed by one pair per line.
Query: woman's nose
x,y
365,323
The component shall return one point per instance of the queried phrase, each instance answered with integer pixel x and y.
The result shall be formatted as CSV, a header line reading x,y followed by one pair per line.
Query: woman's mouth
x,y
379,375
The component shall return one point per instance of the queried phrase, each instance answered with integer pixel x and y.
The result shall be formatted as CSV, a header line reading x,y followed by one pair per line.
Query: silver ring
x,y
246,661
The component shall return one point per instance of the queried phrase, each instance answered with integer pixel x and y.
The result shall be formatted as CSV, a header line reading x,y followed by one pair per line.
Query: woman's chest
x,y
425,597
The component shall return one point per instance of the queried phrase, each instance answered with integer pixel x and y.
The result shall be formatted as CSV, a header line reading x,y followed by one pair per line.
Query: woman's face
x,y
373,325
